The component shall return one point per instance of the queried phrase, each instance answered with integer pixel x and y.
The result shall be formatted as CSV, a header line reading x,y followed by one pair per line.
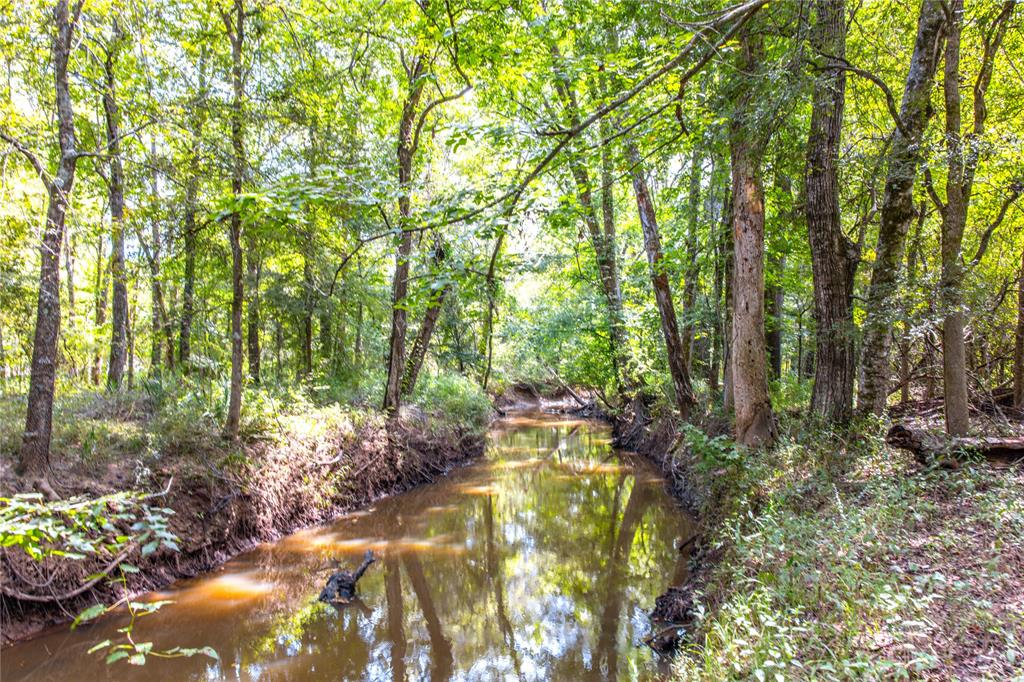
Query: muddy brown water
x,y
539,562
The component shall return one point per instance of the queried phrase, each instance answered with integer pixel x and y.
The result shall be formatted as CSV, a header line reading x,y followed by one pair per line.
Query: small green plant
x,y
129,650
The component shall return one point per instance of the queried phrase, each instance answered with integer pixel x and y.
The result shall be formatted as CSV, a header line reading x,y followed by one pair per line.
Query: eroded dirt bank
x,y
224,505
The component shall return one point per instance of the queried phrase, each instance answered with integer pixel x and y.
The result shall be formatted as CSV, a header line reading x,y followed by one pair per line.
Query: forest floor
x,y
841,558
293,467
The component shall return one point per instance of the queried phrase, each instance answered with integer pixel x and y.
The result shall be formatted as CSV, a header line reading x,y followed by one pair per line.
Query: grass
x,y
845,560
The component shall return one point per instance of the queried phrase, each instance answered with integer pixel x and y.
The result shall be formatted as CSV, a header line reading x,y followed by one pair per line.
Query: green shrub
x,y
454,399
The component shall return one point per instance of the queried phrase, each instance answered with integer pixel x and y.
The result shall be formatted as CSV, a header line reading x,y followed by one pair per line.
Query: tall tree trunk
x,y
834,256
101,308
400,285
1018,346
773,301
960,171
34,459
254,268
426,331
119,317
691,274
954,220
897,210
235,26
755,423
685,400
191,193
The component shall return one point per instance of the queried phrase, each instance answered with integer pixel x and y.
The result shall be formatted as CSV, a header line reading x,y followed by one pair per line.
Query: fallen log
x,y
929,447
341,587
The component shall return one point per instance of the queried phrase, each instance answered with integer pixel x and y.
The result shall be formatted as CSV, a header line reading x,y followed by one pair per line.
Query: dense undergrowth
x,y
836,557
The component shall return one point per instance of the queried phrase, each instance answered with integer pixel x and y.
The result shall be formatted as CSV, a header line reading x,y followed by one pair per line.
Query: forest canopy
x,y
730,208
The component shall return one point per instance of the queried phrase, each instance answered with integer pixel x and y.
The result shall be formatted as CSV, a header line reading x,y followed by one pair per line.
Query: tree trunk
x,y
834,256
685,400
1018,346
419,347
755,423
400,285
119,317
101,308
691,274
34,459
897,210
252,345
954,220
773,301
960,172
191,192
236,33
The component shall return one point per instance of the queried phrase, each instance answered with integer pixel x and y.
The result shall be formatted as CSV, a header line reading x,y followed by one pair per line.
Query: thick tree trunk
x,y
34,459
685,400
235,25
954,220
119,310
897,210
400,285
755,423
834,257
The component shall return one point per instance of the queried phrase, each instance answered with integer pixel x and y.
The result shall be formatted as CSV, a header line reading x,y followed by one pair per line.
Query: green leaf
x,y
105,643
116,656
92,612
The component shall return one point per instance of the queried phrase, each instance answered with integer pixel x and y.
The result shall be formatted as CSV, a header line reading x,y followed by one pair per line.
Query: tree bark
x,y
897,210
754,421
252,345
1018,346
834,256
960,171
400,285
235,26
101,307
773,302
691,273
191,192
34,459
426,331
119,310
683,390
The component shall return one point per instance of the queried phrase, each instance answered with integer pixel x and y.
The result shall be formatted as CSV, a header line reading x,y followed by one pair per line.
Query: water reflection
x,y
538,563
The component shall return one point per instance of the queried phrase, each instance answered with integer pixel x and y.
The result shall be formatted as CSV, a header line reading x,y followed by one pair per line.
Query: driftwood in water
x,y
928,446
341,587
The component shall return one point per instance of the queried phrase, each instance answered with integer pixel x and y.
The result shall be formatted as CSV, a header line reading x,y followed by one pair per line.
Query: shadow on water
x,y
539,562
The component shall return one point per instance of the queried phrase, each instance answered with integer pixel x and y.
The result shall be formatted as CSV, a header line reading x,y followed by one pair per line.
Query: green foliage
x,y
867,574
455,400
81,527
